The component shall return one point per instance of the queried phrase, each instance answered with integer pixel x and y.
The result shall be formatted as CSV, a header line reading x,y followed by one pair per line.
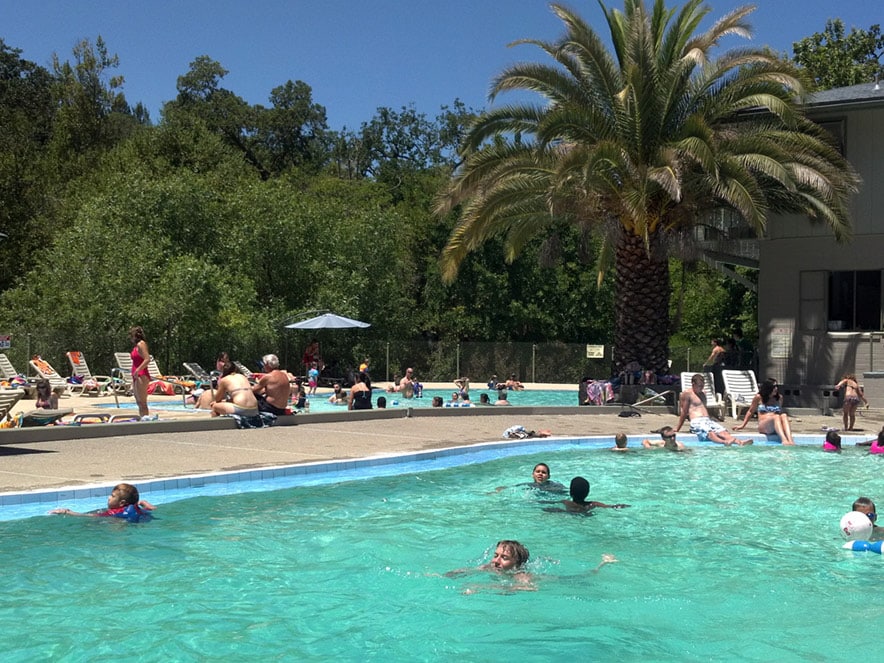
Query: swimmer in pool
x,y
123,502
579,504
620,443
667,441
540,475
832,442
509,560
876,445
867,506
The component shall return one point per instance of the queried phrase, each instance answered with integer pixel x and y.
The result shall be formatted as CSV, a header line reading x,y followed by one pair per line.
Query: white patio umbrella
x,y
328,321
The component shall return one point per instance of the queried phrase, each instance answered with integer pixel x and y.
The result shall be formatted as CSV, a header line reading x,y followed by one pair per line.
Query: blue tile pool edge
x,y
26,504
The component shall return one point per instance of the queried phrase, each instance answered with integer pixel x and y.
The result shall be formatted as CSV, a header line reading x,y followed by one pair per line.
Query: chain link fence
x,y
530,362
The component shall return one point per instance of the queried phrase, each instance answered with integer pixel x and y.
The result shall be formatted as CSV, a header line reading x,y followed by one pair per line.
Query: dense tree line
x,y
215,224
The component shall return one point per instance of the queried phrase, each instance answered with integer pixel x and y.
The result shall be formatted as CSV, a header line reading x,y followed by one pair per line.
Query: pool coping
x,y
12,436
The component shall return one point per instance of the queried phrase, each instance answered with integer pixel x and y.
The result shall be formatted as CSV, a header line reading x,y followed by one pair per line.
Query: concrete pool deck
x,y
191,443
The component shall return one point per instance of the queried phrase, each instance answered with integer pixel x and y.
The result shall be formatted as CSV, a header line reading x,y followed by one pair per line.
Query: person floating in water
x,y
667,442
578,503
123,502
509,560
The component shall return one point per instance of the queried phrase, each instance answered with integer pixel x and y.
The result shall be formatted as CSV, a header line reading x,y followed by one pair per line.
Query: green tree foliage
x,y
92,113
223,221
640,142
835,59
26,113
394,144
291,134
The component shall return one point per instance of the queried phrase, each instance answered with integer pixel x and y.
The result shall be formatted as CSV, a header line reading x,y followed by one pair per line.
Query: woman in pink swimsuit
x,y
140,376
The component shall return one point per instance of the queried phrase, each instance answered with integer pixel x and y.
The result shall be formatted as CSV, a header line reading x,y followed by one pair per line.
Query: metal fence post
x,y
533,362
388,361
457,360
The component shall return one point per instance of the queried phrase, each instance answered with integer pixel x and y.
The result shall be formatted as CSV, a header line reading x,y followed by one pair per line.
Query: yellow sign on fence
x,y
595,351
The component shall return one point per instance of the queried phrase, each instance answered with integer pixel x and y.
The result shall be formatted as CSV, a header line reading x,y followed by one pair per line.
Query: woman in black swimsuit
x,y
360,393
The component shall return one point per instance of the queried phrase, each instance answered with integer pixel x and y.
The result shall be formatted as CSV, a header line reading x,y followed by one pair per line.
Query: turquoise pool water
x,y
725,554
319,403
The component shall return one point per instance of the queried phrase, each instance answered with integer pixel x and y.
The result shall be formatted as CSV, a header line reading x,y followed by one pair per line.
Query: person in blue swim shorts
x,y
692,406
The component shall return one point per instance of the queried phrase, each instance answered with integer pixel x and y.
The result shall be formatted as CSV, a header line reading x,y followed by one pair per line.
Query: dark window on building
x,y
855,301
838,131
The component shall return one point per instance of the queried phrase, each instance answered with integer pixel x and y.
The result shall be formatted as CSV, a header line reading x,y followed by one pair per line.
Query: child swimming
x,y
123,502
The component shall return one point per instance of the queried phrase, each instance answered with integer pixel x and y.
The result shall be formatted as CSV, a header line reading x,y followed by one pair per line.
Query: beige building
x,y
820,302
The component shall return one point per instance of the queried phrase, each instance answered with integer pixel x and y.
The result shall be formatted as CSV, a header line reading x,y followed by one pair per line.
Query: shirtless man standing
x,y
692,405
273,389
406,384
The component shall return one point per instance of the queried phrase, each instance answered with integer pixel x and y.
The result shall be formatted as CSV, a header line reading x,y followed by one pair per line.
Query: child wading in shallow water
x,y
832,442
853,394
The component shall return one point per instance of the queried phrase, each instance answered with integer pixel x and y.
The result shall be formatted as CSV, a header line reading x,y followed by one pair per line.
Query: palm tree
x,y
640,143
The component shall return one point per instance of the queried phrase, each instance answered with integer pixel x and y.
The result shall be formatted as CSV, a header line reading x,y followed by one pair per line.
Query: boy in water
x,y
123,502
620,442
578,503
867,506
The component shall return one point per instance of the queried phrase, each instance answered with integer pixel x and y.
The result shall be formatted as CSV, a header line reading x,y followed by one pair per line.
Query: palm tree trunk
x,y
641,306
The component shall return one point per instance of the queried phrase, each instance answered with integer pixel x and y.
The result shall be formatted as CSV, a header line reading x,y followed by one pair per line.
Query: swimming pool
x,y
319,403
725,554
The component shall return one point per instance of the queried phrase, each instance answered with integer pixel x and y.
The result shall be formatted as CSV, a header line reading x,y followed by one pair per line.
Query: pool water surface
x,y
724,554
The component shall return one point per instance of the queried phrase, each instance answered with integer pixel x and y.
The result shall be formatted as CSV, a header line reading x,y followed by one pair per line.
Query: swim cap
x,y
856,525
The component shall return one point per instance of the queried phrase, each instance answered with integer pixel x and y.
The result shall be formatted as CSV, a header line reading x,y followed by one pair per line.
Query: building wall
x,y
795,344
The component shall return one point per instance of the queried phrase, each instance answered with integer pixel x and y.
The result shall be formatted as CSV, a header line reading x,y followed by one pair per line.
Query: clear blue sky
x,y
356,55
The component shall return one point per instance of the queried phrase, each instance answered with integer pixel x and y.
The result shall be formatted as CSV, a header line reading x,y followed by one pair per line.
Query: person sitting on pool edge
x,y
513,384
273,390
578,503
667,442
692,404
123,502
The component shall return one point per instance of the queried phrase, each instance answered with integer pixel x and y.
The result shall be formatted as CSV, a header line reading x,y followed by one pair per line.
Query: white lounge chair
x,y
714,401
740,388
44,369
95,385
200,374
15,379
124,372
